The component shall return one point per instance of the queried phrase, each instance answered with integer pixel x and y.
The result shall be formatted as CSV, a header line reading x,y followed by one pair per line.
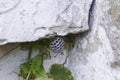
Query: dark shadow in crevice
x,y
91,14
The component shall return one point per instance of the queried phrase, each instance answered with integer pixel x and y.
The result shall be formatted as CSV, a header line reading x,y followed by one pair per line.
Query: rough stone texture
x,y
96,55
29,20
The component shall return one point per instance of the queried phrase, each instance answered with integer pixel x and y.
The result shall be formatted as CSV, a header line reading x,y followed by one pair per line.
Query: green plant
x,y
59,72
33,67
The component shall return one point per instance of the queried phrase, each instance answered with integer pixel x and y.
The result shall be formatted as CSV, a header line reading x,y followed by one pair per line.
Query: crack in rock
x,y
91,14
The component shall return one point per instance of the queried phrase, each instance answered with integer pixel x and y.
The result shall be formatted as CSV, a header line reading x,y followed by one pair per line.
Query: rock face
x,y
23,20
96,55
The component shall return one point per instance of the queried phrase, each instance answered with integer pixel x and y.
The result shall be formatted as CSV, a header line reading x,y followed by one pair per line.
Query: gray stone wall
x,y
96,54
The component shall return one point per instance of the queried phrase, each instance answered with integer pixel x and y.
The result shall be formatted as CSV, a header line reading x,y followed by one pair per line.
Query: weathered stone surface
x,y
29,20
96,55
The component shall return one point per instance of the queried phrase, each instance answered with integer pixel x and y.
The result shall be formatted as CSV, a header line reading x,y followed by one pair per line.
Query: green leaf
x,y
37,61
36,66
25,68
38,71
24,71
59,72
